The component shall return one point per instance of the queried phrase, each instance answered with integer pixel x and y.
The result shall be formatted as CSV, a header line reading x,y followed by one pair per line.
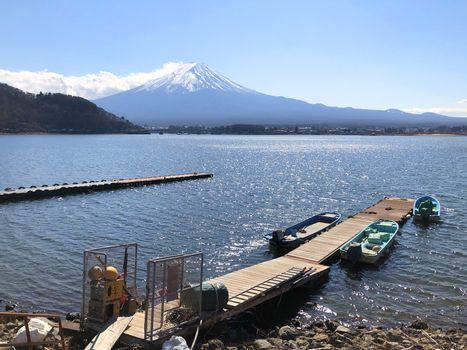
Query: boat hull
x,y
431,218
293,238
287,245
369,256
373,259
434,212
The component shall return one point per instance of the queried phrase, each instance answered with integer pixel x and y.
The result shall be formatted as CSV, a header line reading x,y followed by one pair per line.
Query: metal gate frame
x,y
102,256
151,292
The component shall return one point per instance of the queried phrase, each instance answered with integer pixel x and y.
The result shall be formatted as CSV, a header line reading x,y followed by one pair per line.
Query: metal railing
x,y
173,293
122,256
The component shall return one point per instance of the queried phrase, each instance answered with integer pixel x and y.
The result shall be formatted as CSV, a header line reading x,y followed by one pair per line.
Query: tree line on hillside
x,y
56,113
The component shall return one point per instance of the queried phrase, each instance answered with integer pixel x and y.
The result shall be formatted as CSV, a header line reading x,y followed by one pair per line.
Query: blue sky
x,y
373,54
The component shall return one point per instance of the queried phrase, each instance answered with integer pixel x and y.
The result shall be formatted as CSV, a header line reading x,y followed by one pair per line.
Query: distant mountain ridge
x,y
194,94
26,112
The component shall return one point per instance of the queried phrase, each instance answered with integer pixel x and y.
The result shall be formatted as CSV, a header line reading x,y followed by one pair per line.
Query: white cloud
x,y
92,86
450,111
89,86
458,109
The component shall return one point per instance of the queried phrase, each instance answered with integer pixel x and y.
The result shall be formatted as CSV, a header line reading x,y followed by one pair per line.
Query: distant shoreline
x,y
438,134
253,129
144,132
252,134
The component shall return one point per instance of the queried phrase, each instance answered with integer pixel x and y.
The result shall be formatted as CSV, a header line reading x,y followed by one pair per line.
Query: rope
x,y
196,334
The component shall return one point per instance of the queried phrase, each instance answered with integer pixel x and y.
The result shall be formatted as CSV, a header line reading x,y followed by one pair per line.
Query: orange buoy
x,y
111,273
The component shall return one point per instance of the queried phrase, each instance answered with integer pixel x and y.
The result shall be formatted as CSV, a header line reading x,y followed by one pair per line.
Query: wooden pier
x,y
256,284
324,248
37,192
247,288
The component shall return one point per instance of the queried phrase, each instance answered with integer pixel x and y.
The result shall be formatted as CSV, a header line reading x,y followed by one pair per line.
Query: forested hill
x,y
56,113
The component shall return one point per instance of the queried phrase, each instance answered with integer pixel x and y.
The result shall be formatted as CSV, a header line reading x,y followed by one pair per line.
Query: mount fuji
x,y
194,94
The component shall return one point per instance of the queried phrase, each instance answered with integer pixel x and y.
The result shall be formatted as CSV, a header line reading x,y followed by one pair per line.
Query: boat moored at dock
x,y
372,243
295,235
427,209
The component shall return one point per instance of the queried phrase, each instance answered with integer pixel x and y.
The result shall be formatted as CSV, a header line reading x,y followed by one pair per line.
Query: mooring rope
x,y
196,334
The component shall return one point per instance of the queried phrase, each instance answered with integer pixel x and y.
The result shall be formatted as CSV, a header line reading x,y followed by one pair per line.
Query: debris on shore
x,y
12,331
328,335
320,335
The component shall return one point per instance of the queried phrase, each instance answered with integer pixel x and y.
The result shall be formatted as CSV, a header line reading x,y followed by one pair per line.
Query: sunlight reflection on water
x,y
260,183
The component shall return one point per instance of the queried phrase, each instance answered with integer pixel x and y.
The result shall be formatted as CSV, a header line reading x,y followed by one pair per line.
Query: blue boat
x,y
372,243
297,234
427,209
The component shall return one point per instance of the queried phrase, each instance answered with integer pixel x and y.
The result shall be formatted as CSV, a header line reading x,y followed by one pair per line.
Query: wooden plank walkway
x,y
251,286
325,246
250,282
391,208
136,327
110,333
37,192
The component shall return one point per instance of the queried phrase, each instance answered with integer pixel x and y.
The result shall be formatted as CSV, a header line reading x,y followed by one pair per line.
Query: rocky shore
x,y
329,335
321,335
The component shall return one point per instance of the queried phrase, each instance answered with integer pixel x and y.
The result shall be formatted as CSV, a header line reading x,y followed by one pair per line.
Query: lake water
x,y
260,183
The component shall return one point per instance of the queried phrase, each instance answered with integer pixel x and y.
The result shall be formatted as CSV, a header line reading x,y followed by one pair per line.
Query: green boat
x,y
427,209
372,243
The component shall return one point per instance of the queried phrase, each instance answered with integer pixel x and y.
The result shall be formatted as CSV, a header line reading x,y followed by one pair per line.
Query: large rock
x,y
376,333
406,343
419,325
463,341
287,333
275,341
379,340
343,329
331,325
289,345
263,344
394,335
303,342
213,344
321,337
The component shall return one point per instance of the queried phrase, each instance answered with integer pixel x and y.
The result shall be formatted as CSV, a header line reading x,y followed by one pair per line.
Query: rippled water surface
x,y
260,183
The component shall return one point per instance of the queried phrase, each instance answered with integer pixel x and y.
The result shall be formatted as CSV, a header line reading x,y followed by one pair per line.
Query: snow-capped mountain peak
x,y
194,94
192,77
